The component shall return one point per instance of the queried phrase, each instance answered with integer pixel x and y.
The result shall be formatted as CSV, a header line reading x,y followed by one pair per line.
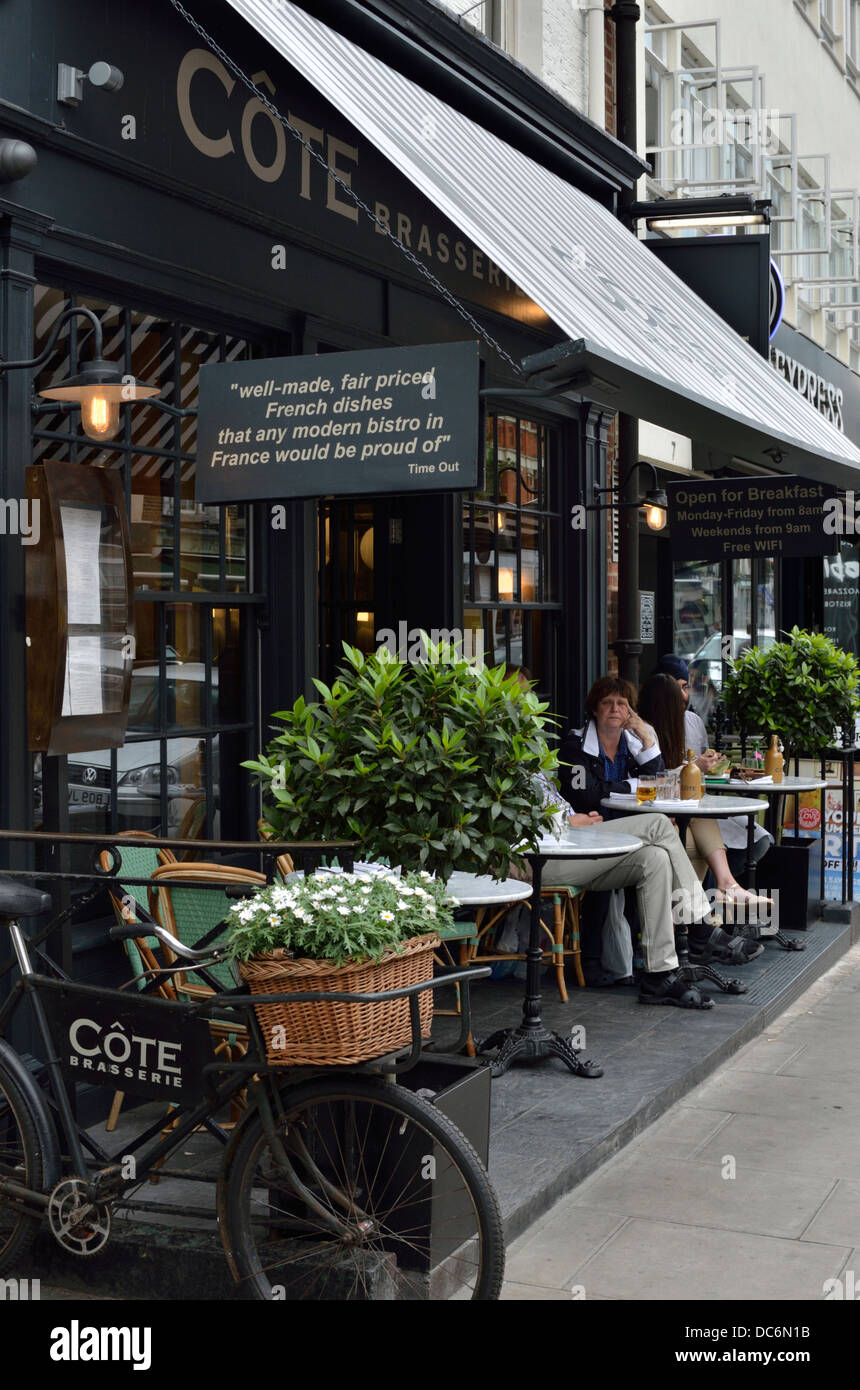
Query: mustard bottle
x,y
773,759
691,779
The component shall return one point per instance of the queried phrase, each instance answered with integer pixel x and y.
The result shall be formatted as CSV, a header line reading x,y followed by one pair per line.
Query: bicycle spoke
x,y
360,1154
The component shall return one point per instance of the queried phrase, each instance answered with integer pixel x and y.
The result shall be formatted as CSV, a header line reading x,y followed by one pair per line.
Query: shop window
x,y
191,711
511,545
720,610
346,578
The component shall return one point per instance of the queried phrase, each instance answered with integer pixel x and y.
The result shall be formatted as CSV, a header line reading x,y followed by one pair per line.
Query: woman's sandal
x,y
672,989
740,902
733,950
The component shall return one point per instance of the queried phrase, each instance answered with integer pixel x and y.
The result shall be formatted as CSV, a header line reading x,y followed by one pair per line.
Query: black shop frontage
x,y
711,607
159,193
185,218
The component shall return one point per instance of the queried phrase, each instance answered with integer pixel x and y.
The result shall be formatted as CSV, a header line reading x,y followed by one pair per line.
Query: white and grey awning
x,y
645,343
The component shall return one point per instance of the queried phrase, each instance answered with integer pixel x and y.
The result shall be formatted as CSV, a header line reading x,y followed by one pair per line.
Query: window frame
x,y
63,431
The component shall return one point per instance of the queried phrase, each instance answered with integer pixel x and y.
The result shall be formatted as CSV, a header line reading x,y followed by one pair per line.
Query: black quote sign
x,y
385,420
717,518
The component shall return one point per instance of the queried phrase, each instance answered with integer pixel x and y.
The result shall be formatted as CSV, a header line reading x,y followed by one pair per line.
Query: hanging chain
x,y
381,226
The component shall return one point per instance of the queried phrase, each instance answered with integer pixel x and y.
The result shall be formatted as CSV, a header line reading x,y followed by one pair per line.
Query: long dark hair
x,y
661,705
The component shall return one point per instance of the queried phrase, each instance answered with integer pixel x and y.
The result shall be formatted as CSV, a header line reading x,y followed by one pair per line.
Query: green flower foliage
x,y
429,765
799,689
338,917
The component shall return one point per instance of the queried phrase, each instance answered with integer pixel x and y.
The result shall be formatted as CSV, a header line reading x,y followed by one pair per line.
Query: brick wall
x,y
609,69
565,52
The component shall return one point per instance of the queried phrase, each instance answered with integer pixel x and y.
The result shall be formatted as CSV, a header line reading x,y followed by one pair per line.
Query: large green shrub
x,y
428,764
799,689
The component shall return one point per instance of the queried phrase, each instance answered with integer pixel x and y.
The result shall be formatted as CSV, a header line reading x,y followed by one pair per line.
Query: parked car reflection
x,y
138,761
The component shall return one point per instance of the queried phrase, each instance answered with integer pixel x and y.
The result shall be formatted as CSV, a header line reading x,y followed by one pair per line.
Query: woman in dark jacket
x,y
612,747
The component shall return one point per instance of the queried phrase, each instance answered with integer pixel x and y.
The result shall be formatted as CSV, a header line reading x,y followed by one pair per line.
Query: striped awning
x,y
641,340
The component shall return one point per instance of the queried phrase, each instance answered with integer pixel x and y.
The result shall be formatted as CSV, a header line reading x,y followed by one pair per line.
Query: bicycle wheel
x,y
20,1161
372,1194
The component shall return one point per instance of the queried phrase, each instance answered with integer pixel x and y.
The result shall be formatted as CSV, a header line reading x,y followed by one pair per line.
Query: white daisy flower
x,y
386,916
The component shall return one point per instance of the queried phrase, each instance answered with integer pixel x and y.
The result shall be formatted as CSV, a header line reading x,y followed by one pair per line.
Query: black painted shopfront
x,y
183,216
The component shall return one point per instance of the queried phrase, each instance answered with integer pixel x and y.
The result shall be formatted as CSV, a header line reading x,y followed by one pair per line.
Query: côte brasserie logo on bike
x,y
144,1046
115,1053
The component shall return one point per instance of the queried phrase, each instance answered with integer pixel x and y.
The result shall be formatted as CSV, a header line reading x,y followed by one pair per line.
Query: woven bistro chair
x,y
133,903
563,944
143,951
192,912
189,914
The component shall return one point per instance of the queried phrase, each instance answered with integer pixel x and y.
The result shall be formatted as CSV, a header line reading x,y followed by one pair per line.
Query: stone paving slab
x,y
661,1260
695,1192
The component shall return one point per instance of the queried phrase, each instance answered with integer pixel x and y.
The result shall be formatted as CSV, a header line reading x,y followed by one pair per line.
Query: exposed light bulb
x,y
655,517
100,416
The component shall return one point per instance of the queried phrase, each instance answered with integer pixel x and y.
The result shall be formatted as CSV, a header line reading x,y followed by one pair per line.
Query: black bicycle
x,y
339,1186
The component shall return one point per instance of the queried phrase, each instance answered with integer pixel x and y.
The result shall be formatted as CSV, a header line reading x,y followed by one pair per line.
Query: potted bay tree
x,y
429,765
802,690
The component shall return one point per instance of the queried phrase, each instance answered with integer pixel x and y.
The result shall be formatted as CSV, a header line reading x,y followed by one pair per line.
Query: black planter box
x,y
785,869
462,1093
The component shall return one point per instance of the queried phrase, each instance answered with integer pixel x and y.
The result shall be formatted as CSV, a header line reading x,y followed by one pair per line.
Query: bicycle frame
x,y
263,1080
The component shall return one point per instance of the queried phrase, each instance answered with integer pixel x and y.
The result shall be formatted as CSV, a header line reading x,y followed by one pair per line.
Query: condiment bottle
x,y
773,760
691,779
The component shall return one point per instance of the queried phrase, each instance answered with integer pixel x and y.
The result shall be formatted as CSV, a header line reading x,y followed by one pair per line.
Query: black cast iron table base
x,y
788,943
532,1044
532,1041
694,974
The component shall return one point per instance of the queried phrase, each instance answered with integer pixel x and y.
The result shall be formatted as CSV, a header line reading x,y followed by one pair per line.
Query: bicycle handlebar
x,y
126,931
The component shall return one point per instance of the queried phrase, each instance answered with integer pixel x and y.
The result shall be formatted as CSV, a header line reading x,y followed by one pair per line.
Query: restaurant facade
x,y
200,229
181,213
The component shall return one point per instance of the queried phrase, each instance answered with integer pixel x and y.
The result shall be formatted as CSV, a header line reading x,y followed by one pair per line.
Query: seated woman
x,y
613,746
695,736
662,704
